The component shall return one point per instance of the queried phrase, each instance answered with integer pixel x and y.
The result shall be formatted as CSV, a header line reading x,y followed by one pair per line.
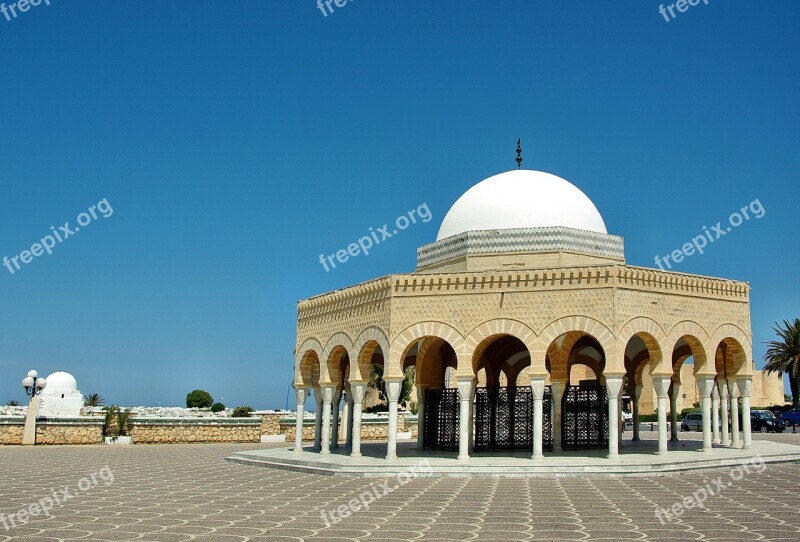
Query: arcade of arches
x,y
526,304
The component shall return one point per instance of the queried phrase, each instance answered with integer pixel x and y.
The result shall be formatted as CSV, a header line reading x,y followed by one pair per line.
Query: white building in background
x,y
61,398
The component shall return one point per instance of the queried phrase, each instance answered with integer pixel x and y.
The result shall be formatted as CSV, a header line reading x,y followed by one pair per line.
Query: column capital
x,y
326,392
393,388
715,391
537,387
613,385
300,395
661,384
466,387
745,385
357,391
704,384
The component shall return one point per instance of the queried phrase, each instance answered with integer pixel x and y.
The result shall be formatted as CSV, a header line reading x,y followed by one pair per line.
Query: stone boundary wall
x,y
83,430
89,430
173,431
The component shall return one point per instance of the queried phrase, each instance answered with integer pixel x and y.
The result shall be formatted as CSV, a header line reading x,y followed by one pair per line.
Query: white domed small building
x,y
61,398
526,302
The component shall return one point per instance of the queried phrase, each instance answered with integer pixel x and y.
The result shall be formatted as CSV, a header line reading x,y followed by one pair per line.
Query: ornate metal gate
x,y
584,418
441,419
504,419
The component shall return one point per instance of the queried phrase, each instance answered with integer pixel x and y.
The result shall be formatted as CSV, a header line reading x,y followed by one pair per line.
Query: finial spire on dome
x,y
519,154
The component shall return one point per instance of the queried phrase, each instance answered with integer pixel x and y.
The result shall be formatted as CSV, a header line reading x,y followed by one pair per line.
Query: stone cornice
x,y
603,276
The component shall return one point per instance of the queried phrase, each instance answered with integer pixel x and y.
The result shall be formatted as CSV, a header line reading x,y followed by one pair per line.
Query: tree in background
x,y
95,399
199,399
13,402
376,382
242,411
217,407
783,355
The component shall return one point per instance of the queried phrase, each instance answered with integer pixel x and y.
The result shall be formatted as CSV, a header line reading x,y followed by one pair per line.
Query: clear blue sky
x,y
236,141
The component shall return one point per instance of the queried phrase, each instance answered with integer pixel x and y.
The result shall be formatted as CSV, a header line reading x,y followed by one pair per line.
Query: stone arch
x,y
587,325
337,346
365,346
308,368
736,345
483,335
699,343
406,338
654,340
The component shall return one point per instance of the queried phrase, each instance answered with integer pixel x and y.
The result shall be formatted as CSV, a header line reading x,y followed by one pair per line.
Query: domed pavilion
x,y
527,328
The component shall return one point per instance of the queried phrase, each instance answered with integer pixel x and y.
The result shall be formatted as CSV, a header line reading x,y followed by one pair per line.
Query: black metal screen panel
x,y
584,418
504,419
441,419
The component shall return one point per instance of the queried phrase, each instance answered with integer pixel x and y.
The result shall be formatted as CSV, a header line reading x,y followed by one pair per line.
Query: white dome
x,y
61,382
521,198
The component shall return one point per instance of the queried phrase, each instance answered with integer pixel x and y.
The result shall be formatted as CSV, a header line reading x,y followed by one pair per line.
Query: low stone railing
x,y
183,430
80,430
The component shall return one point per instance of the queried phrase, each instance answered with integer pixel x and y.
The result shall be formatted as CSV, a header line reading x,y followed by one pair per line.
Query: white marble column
x,y
745,386
661,385
420,417
318,419
705,385
674,393
725,438
613,387
327,399
637,394
734,392
348,417
300,396
357,389
466,388
393,389
715,415
335,404
557,390
537,387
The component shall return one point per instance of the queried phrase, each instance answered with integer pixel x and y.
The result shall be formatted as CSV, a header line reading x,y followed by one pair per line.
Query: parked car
x,y
791,417
692,422
766,422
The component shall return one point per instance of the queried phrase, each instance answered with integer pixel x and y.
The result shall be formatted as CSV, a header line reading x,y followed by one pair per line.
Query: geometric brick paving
x,y
167,493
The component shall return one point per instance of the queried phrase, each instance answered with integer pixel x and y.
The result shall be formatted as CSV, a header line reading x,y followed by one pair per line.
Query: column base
x,y
716,441
355,454
663,452
537,457
612,456
674,439
391,457
746,446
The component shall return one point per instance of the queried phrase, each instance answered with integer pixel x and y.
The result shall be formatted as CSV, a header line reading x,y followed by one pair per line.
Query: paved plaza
x,y
172,493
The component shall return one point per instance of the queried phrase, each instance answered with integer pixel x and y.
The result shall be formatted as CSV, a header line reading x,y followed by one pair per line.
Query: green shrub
x,y
242,411
380,407
199,399
648,418
217,407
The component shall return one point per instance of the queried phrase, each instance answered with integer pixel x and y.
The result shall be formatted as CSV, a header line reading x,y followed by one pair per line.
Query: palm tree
x,y
13,403
95,399
783,356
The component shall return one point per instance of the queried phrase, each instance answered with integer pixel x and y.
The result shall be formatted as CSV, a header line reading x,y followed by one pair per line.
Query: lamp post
x,y
33,384
33,387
